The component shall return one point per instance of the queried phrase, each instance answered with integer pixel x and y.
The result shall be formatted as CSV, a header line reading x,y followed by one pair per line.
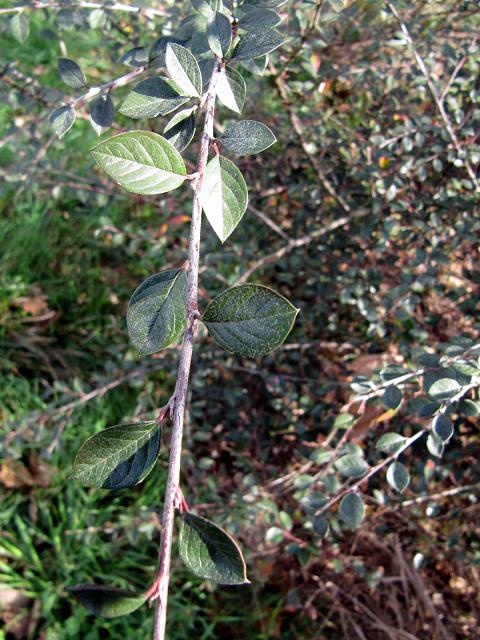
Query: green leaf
x,y
321,526
102,113
246,137
141,162
184,70
444,388
250,319
267,4
20,27
392,397
207,7
256,19
136,57
313,500
443,427
151,97
71,73
219,33
180,130
210,552
157,311
62,120
256,66
224,196
107,602
118,457
351,466
97,19
435,446
231,89
257,43
390,442
274,535
352,510
398,476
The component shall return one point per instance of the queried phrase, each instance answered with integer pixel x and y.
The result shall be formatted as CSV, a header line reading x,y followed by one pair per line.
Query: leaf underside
x,y
107,602
152,97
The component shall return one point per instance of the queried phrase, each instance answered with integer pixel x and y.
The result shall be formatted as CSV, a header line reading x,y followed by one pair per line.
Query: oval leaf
x,y
246,137
231,89
443,427
398,476
157,311
20,27
444,388
118,457
321,526
351,466
107,602
210,552
141,162
224,196
71,73
62,120
390,442
352,510
250,319
219,33
181,129
255,19
184,70
152,97
102,113
257,43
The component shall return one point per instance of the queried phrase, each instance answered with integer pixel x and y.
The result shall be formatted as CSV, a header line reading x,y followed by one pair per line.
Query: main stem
x,y
180,393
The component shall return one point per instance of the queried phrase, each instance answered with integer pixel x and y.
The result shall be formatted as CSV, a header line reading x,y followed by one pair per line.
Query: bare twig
x,y
159,589
435,94
84,4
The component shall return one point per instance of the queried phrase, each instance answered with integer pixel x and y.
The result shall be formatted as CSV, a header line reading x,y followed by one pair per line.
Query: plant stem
x,y
160,586
84,4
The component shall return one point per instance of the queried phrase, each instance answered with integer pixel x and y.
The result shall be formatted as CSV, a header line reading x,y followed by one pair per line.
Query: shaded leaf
x,y
20,27
398,476
141,162
180,130
390,442
231,89
352,510
257,43
119,456
250,319
219,33
157,311
71,73
224,196
443,427
267,4
62,120
210,552
256,66
183,69
351,466
392,396
107,602
136,57
321,526
435,446
444,388
151,97
102,112
207,7
255,19
246,137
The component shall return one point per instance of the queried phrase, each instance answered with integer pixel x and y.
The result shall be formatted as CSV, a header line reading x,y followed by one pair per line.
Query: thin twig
x,y
159,589
83,4
435,94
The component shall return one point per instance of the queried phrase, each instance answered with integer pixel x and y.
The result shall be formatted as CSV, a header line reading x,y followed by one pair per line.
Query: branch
x,y
108,86
435,93
159,589
83,4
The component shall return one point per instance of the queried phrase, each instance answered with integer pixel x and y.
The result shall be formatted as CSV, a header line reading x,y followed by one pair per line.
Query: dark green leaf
x,y
231,89
62,120
250,319
390,442
444,388
210,552
256,19
435,446
352,510
224,196
443,427
184,70
398,476
267,4
157,314
313,500
71,73
351,466
141,162
257,43
20,27
136,57
118,457
256,66
246,137
180,130
321,526
219,33
107,602
152,97
392,397
102,113
207,7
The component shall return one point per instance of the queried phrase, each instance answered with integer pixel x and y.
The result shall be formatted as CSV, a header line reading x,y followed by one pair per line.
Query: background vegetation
x,y
365,215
